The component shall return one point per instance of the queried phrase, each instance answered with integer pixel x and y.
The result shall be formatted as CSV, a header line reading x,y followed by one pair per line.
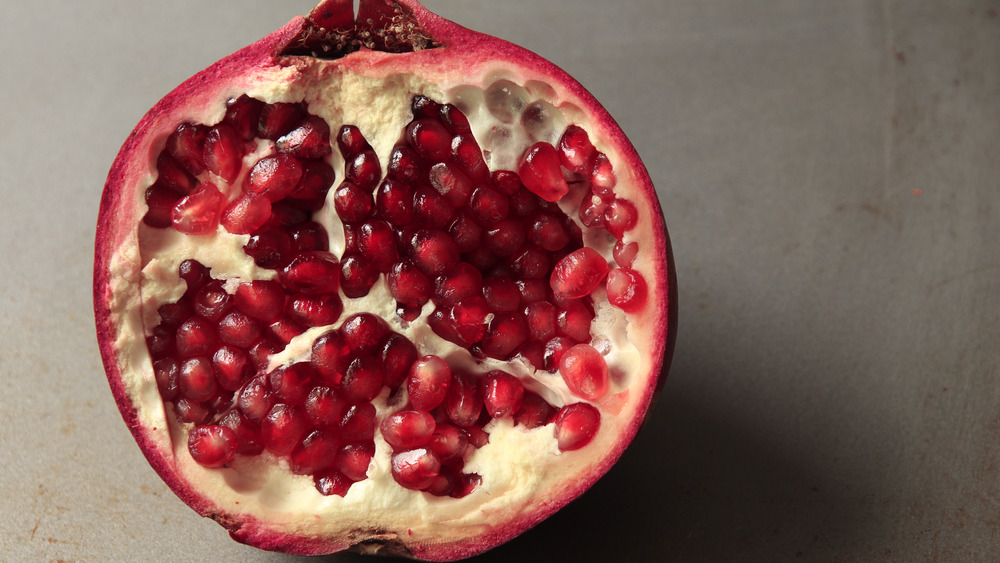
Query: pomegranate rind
x,y
118,272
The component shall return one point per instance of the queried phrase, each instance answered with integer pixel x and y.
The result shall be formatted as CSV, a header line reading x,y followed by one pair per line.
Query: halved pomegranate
x,y
381,283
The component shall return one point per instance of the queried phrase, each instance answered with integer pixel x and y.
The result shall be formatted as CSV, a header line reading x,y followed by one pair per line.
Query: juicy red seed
x,y
502,294
165,371
422,106
364,169
270,247
170,174
161,201
255,400
409,429
440,322
431,209
394,202
211,301
576,425
195,337
453,184
309,236
397,355
353,460
357,275
548,232
533,291
534,412
331,355
247,433
364,333
469,317
467,234
332,482
223,152
531,263
279,118
508,183
310,193
212,445
602,177
481,258
406,165
626,289
291,384
576,152
350,141
585,372
505,333
231,366
464,402
246,214
464,484
275,177
625,253
284,329
161,342
353,204
415,469
427,382
502,393
185,145
574,321
429,138
261,352
196,379
592,210
554,350
285,215
324,407
477,436
173,314
443,484
363,379
318,451
541,318
454,119
191,411
283,428
525,205
434,252
460,282
408,285
506,237
533,352
376,242
541,173
466,152
198,213
578,273
488,207
449,442
315,310
261,299
408,313
312,272
310,139
620,216
243,114
238,329
358,424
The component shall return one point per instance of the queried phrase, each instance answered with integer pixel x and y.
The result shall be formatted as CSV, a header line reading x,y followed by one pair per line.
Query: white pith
x,y
520,469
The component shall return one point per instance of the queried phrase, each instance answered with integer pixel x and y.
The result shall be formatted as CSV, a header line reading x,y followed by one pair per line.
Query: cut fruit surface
x,y
382,283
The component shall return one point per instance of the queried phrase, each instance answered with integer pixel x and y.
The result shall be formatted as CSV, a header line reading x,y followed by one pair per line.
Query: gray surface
x,y
829,172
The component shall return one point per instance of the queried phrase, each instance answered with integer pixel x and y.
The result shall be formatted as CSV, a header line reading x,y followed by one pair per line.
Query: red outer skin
x,y
114,229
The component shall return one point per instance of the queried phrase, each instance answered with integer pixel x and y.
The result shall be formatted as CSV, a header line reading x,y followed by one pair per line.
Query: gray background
x,y
829,172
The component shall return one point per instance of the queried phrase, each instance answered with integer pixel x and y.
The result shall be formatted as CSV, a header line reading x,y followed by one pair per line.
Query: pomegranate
x,y
381,283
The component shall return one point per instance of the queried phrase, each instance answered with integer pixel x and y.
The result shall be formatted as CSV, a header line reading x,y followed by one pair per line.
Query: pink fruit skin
x,y
120,213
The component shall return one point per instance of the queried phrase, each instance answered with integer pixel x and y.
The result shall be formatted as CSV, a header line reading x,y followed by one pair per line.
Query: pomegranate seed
x,y
350,141
619,216
464,484
531,263
270,247
353,203
541,173
578,273
488,207
469,317
431,209
365,333
449,442
212,445
502,294
261,299
406,430
394,202
376,242
477,436
161,342
429,138
248,440
309,236
282,428
576,152
464,402
330,355
353,460
397,355
548,232
185,145
198,213
191,411
534,412
291,384
505,333
255,400
324,407
243,114
443,484
195,337
358,424
533,291
364,170
357,275
460,282
279,118
532,352
318,451
312,272
541,318
453,184
422,106
427,382
285,215
310,139
626,289
585,372
574,321
507,182
173,314
261,352
275,177
284,329
310,193
506,237
362,381
554,350
466,152
332,482
246,214
223,152
624,253
161,201
592,210
238,329
440,322
231,366
406,165
467,234
415,469
315,310
502,393
171,175
602,177
433,251
454,119
211,300
576,425
408,285
165,371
